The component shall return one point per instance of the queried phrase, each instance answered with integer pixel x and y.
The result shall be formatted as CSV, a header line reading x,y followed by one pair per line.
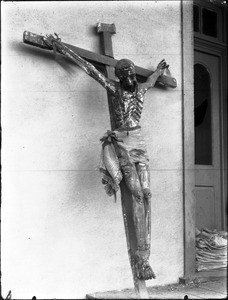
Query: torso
x,y
128,107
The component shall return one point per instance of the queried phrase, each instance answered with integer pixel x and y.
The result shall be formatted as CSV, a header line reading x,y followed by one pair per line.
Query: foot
x,y
144,270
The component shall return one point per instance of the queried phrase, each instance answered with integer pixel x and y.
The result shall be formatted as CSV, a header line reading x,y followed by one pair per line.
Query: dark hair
x,y
122,65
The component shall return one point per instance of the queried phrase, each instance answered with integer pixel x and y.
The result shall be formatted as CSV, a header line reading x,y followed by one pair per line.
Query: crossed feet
x,y
144,270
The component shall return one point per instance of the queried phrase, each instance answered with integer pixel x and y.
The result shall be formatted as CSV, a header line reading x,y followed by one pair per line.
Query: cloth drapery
x,y
131,144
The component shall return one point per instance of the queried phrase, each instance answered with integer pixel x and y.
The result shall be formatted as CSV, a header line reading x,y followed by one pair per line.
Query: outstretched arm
x,y
153,78
55,43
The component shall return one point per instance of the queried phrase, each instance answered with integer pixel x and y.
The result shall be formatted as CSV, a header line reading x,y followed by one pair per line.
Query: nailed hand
x,y
162,66
54,43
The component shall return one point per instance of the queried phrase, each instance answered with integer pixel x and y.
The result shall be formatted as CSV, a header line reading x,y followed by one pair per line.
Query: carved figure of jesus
x,y
124,154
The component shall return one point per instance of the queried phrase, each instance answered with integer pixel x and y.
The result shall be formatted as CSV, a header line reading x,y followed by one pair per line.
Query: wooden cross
x,y
108,62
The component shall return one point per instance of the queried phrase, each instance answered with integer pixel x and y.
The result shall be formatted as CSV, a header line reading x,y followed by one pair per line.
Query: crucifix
x,y
124,156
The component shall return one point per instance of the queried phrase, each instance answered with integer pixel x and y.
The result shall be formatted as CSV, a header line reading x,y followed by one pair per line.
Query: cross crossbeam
x,y
142,74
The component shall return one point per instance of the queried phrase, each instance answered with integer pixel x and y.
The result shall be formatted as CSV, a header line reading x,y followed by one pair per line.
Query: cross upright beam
x,y
106,31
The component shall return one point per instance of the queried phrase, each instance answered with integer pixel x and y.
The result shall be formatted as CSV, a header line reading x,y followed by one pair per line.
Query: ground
x,y
215,288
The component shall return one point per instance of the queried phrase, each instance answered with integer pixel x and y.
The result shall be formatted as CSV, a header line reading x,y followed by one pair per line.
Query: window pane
x,y
196,18
202,109
209,22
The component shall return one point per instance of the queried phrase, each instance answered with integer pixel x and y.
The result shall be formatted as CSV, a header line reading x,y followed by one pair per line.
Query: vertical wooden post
x,y
106,30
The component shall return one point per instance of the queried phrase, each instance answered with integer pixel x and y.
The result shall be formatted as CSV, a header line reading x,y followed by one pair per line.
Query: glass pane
x,y
209,22
196,18
202,110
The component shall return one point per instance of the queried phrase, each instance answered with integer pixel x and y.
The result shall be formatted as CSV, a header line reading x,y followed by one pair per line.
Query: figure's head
x,y
125,71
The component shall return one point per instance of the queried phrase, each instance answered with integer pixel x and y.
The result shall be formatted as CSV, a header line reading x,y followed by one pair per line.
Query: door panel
x,y
207,141
205,207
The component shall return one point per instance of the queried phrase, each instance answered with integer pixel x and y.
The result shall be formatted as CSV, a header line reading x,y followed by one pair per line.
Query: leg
x,y
140,211
127,200
141,220
141,216
131,178
144,176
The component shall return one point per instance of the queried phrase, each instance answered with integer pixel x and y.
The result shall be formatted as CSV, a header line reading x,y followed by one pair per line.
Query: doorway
x,y
205,146
208,159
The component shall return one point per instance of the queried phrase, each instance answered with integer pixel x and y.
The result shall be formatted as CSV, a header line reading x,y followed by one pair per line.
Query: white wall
x,y
62,236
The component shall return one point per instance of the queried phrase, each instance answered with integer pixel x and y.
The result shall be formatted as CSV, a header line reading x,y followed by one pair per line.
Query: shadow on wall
x,y
46,55
83,110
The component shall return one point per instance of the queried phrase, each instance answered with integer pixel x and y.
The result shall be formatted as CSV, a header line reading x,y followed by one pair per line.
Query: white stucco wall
x,y
62,236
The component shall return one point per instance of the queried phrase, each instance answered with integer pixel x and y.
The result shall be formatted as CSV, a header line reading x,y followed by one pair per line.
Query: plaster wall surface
x,y
62,236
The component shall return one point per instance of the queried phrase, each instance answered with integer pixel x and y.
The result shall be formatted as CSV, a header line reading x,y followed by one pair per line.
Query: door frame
x,y
189,43
219,50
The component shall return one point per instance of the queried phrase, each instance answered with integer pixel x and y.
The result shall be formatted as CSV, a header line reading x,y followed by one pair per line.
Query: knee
x,y
147,193
127,170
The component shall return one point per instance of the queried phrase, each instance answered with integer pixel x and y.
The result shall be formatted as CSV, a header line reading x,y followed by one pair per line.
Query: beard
x,y
129,87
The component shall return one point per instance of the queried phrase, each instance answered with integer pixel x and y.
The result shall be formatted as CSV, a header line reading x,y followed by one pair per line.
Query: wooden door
x,y
207,141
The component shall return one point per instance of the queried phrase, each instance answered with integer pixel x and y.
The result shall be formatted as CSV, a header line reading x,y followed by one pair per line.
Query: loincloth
x,y
132,144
